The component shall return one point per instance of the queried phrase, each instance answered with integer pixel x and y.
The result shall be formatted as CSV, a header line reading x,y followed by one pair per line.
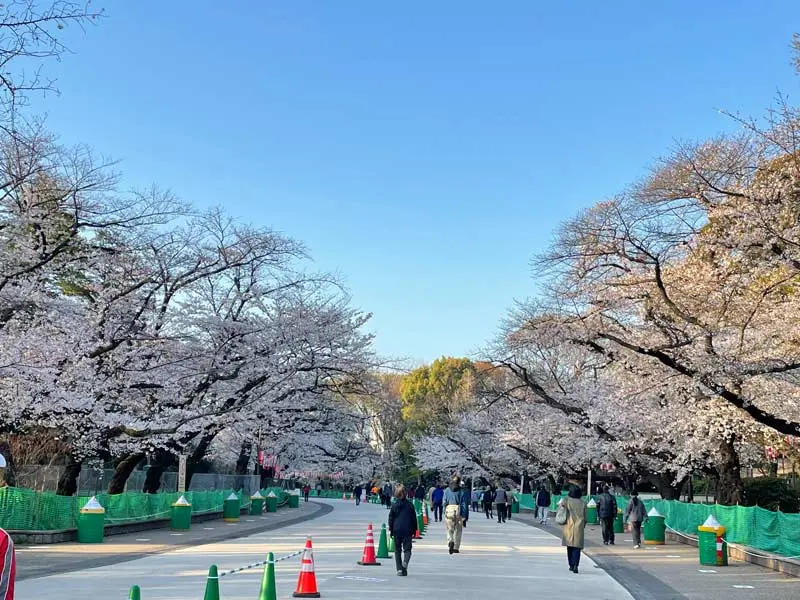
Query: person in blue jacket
x,y
437,497
465,502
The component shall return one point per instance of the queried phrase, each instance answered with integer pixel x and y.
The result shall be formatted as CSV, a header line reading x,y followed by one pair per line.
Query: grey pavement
x,y
511,561
52,559
673,571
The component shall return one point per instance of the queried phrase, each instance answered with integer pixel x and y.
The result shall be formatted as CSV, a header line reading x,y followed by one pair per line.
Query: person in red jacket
x,y
8,566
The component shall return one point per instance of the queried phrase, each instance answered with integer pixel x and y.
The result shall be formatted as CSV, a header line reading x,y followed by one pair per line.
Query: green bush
x,y
771,493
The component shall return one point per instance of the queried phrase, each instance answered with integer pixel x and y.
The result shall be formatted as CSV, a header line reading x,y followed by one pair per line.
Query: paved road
x,y
52,559
673,572
511,560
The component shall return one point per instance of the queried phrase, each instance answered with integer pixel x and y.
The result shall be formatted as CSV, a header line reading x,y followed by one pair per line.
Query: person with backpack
x,y
635,514
607,512
571,515
452,515
402,526
543,505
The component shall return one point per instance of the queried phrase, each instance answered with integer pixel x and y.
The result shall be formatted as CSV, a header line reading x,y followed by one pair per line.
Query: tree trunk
x,y
199,453
152,482
10,475
729,487
244,458
124,469
68,481
664,484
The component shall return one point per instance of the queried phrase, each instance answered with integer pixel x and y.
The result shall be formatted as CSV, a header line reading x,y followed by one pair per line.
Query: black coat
x,y
402,519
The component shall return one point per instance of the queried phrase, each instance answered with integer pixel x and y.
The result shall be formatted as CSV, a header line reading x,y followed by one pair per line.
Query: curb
x,y
322,510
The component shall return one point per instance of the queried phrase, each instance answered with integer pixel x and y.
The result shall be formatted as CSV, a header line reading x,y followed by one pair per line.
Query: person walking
x,y
8,566
357,493
419,493
465,502
573,509
387,495
488,499
500,499
402,526
306,492
543,505
476,498
437,497
635,514
319,489
607,512
452,516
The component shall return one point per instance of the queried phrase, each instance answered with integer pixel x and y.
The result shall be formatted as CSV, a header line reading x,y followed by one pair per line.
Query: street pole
x,y
589,478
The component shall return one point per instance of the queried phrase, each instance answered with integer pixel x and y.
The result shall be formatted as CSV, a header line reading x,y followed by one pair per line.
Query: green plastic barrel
x,y
619,524
181,518
256,504
272,503
294,501
591,515
655,530
231,508
707,547
91,523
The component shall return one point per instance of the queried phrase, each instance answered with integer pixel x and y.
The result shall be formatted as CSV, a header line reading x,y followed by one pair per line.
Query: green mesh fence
x,y
41,511
751,526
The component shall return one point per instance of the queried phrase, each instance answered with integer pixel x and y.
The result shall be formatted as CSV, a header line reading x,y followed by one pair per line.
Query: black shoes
x,y
451,547
456,551
574,569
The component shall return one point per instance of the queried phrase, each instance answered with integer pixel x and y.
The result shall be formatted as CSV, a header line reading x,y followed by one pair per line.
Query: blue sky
x,y
425,150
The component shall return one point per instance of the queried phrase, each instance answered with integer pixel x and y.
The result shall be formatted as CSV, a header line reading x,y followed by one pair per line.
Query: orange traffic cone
x,y
344,497
368,556
307,583
425,517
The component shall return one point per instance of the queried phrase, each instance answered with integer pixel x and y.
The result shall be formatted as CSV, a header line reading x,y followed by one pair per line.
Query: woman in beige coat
x,y
572,532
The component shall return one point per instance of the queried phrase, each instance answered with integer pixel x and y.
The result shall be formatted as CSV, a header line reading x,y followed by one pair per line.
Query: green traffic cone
x,y
267,591
212,584
420,525
135,593
391,544
383,547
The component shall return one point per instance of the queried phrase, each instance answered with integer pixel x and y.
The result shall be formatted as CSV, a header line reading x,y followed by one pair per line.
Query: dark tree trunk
x,y
159,464
729,471
664,484
10,476
689,487
199,453
68,482
124,469
244,458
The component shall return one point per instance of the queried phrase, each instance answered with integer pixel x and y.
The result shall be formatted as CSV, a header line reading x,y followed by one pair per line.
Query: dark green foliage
x,y
772,493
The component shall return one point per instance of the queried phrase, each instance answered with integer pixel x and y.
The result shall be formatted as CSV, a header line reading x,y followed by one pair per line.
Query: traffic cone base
x,y
365,564
307,582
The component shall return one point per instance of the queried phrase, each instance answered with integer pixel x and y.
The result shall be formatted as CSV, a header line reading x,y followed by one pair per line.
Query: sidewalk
x,y
39,561
673,571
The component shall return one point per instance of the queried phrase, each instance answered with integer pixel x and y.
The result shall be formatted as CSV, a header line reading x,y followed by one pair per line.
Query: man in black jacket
x,y
402,525
607,512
